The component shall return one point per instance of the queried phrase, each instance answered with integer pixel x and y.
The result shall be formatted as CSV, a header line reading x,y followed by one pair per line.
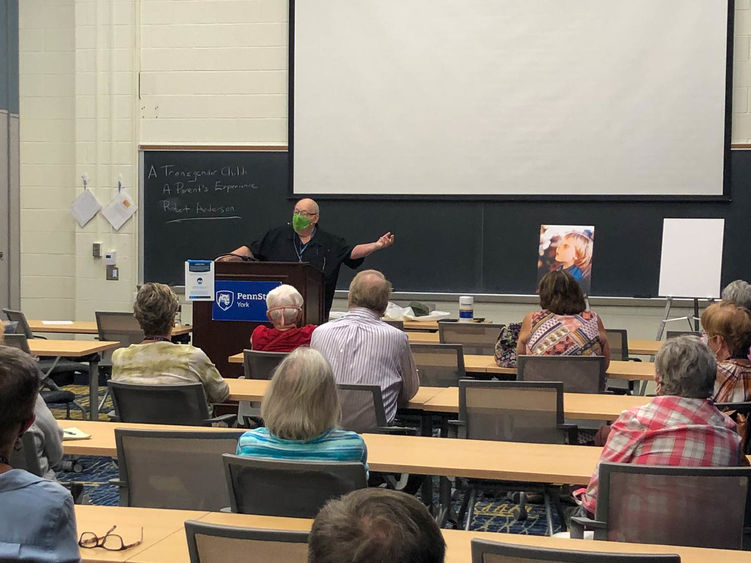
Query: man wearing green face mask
x,y
304,241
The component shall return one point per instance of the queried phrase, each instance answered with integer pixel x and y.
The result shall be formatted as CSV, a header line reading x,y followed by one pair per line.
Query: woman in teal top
x,y
301,411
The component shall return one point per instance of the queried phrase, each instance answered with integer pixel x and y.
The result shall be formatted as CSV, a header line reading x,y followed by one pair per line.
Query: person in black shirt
x,y
304,241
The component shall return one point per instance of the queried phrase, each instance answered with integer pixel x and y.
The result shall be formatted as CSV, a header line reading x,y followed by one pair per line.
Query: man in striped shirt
x,y
363,349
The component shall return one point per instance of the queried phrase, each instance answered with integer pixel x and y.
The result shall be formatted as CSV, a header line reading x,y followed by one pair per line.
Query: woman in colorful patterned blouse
x,y
728,335
301,411
563,327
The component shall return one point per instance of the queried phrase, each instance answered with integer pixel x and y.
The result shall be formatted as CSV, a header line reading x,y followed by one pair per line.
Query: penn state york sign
x,y
241,300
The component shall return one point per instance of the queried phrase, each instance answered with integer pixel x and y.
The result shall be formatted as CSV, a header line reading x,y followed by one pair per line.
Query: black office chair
x,y
116,327
211,543
257,364
675,333
477,338
579,374
395,324
296,489
618,341
512,411
485,551
439,365
163,404
363,410
174,468
51,393
676,505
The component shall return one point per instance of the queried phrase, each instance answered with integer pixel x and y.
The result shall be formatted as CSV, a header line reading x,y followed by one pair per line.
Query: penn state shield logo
x,y
225,299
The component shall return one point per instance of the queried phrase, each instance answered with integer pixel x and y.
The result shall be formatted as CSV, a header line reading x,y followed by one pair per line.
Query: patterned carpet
x,y
95,473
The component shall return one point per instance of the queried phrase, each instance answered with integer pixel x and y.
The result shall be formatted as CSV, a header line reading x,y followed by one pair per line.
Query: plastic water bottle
x,y
466,308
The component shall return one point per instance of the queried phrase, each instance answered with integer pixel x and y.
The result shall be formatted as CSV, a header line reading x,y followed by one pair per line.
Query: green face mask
x,y
300,222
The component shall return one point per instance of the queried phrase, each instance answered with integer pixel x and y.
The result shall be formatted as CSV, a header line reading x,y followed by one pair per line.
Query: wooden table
x,y
165,540
644,347
86,327
431,326
635,347
446,399
637,371
88,349
505,461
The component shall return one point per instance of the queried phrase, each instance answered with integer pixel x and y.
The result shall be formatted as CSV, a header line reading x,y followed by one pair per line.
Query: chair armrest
x,y
396,430
38,336
118,482
229,418
633,359
456,423
572,430
579,523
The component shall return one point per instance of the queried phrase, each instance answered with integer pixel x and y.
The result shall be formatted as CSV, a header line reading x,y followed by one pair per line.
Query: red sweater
x,y
273,340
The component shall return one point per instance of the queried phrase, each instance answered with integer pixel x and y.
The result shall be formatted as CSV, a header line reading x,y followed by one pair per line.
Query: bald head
x,y
308,205
370,289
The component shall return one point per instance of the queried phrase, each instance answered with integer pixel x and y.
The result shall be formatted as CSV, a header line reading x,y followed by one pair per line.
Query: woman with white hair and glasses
x,y
681,426
301,411
284,311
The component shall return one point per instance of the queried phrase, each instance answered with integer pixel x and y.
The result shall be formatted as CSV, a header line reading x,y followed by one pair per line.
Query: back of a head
x,y
301,401
561,294
686,367
284,304
375,525
732,323
155,308
19,385
738,292
370,289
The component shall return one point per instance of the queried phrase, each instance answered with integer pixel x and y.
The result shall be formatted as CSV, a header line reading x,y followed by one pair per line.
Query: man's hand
x,y
385,241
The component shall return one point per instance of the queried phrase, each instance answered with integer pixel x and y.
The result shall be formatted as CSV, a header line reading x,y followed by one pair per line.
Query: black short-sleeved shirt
x,y
324,251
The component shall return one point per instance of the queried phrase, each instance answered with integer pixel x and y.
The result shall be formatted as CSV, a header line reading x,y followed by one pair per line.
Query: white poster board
x,y
691,261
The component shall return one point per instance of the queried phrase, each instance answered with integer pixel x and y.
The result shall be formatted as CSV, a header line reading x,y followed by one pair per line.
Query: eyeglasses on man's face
x,y
109,541
304,213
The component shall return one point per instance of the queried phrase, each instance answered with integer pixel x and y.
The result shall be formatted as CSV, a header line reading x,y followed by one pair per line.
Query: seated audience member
x,y
563,327
157,360
680,426
375,525
363,349
739,293
48,438
728,335
284,310
301,411
37,522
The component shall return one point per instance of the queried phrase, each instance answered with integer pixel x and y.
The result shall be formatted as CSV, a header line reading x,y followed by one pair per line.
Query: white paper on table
x,y
84,207
119,210
57,322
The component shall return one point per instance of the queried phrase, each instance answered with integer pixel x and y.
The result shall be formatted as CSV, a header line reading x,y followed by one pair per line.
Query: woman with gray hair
x,y
681,426
284,310
301,411
159,361
739,293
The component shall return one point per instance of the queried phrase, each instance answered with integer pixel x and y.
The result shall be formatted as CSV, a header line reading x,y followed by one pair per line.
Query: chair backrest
x,y
485,551
439,365
512,411
675,333
25,456
261,365
120,327
579,374
362,407
288,488
618,340
477,338
17,341
183,404
174,469
211,543
395,324
18,317
692,506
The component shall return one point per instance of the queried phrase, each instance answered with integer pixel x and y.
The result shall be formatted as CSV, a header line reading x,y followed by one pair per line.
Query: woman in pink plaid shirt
x,y
681,426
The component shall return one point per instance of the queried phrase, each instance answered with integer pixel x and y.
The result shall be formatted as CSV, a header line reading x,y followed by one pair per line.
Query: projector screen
x,y
509,97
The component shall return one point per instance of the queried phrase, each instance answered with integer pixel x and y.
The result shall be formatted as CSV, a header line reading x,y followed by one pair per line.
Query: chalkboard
x,y
441,245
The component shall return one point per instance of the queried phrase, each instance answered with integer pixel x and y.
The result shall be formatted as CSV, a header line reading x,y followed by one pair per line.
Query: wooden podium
x,y
221,339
